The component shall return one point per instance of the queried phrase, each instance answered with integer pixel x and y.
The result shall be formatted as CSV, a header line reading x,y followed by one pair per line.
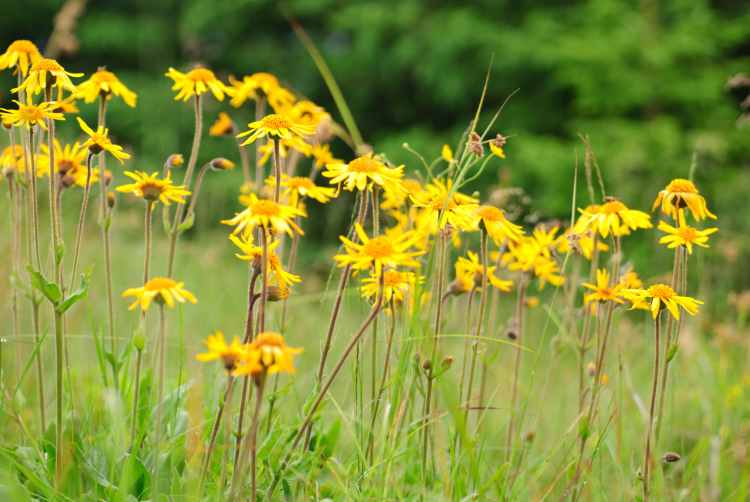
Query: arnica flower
x,y
266,355
163,290
254,253
196,82
105,83
471,267
308,113
272,216
294,143
150,188
602,291
681,193
442,205
497,144
69,162
20,54
662,296
281,100
323,156
223,126
11,159
546,271
99,140
218,349
299,187
275,126
630,280
383,251
241,91
497,225
396,284
611,217
582,244
362,172
31,115
45,71
396,199
684,235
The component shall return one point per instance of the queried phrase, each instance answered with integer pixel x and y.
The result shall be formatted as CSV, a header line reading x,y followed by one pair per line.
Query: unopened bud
x,y
276,294
529,436
591,369
139,341
111,199
427,365
222,164
447,362
671,457
107,178
512,331
175,160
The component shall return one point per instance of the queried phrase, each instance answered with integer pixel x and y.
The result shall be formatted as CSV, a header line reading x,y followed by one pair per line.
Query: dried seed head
x,y
277,294
499,140
475,144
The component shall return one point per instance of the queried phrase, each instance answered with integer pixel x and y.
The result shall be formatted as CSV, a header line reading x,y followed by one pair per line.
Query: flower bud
x,y
447,362
175,160
67,181
671,457
427,365
111,199
139,341
277,294
107,178
221,164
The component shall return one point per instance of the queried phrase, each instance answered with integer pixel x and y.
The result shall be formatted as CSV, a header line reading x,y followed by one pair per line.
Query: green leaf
x,y
187,223
47,288
672,352
76,296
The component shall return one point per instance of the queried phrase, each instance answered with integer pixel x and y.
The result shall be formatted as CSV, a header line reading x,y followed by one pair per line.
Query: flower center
x,y
613,207
379,247
392,278
365,165
31,113
201,75
275,121
159,283
687,233
265,208
661,291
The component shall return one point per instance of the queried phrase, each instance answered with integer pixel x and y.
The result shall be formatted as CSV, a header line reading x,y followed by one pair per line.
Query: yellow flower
x,y
266,355
20,54
222,127
196,82
253,253
295,143
274,126
602,291
162,290
395,199
396,285
582,244
281,100
268,214
447,154
681,193
662,296
362,172
99,140
11,159
241,90
531,301
308,113
70,162
497,150
497,225
471,267
382,251
612,216
266,82
47,70
149,187
105,83
546,271
30,115
684,235
444,206
323,156
298,187
230,355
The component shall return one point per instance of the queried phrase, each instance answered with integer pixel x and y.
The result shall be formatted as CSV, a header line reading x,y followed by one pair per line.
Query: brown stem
x,y
649,427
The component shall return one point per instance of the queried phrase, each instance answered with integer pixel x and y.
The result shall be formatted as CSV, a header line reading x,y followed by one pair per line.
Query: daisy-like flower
x,y
323,156
196,82
299,187
272,216
70,163
383,251
20,54
30,115
470,266
603,291
393,200
162,290
150,188
308,113
630,280
46,70
218,349
684,235
293,143
99,140
582,244
546,271
681,193
281,100
241,91
105,83
275,126
396,284
443,206
362,172
661,296
611,217
266,355
497,225
253,253
11,159
223,126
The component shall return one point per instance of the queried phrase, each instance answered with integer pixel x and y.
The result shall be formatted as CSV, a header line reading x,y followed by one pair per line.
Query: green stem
x,y
650,425
81,221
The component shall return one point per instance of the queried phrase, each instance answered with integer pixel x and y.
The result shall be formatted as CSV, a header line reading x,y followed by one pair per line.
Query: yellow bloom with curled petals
x,y
378,252
20,54
272,216
582,244
661,296
46,71
105,83
99,140
363,172
281,100
681,193
441,205
603,291
31,115
254,253
308,113
223,126
196,82
149,187
12,158
162,290
266,355
218,349
611,217
396,199
70,161
323,156
396,284
470,266
498,227
299,187
275,126
684,235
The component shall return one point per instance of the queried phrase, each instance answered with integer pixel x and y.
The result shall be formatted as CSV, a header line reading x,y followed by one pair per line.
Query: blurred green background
x,y
647,81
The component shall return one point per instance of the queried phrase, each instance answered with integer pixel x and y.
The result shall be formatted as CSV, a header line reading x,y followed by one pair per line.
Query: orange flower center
x,y
613,207
201,75
661,291
392,278
379,247
31,113
275,122
265,207
365,165
159,283
688,234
